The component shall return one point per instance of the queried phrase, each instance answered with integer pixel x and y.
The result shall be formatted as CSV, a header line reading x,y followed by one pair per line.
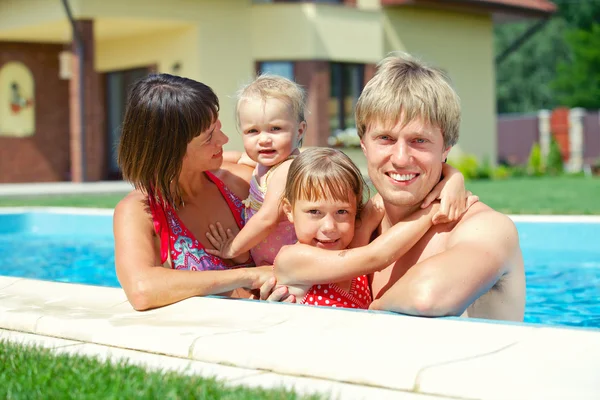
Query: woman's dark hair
x,y
163,114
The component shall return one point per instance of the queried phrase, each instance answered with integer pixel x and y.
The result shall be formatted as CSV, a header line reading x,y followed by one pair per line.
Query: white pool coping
x,y
110,211
447,358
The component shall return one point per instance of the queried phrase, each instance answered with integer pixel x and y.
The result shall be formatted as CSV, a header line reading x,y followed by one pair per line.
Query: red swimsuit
x,y
331,295
186,251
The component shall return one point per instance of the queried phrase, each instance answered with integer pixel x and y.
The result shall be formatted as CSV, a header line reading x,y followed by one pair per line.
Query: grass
x,y
38,373
544,195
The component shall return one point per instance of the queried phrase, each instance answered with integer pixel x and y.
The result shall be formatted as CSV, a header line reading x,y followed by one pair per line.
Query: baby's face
x,y
269,129
327,224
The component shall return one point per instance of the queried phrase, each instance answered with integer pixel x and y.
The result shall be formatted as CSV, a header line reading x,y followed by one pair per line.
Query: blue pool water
x,y
562,260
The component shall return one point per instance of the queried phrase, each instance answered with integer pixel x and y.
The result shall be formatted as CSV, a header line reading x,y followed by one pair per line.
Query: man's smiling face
x,y
404,162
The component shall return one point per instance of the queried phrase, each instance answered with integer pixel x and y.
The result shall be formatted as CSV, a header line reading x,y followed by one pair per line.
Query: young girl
x,y
323,199
270,114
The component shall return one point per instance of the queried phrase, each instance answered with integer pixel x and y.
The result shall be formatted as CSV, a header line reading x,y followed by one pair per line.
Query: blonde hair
x,y
273,86
405,87
319,173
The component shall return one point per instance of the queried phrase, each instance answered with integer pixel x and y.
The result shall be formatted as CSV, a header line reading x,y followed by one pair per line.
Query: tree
x,y
577,83
525,79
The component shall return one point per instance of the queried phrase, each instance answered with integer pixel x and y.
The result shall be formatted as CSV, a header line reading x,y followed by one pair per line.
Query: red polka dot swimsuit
x,y
331,295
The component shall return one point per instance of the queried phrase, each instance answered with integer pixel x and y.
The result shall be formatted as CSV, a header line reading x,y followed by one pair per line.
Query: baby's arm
x,y
301,264
259,226
454,198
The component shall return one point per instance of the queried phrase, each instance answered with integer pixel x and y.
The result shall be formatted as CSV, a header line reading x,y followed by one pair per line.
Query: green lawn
x,y
545,195
37,373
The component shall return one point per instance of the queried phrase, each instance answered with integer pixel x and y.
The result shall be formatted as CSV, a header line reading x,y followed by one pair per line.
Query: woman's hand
x,y
454,198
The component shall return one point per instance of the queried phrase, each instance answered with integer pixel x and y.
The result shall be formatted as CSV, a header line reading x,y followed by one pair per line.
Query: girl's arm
x,y
227,245
300,264
148,284
369,220
454,198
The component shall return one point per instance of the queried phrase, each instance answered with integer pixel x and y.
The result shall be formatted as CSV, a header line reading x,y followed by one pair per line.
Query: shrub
x,y
467,165
485,170
554,161
502,172
534,163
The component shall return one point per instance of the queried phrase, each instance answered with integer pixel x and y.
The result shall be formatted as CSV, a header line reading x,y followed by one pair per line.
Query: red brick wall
x,y
315,77
44,156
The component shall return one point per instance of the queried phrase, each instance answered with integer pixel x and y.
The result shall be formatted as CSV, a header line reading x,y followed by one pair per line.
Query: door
x,y
118,84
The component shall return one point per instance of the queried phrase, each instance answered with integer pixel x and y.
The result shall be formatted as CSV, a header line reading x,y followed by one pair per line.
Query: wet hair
x,y
163,114
268,86
405,88
323,173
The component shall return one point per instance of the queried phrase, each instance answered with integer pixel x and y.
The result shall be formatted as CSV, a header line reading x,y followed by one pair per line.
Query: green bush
x,y
485,170
554,161
467,165
502,172
534,163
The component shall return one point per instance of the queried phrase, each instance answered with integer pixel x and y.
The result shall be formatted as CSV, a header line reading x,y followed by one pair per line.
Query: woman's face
x,y
205,151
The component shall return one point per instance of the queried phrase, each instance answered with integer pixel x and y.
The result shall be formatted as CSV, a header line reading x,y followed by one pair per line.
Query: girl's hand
x,y
270,291
221,240
454,198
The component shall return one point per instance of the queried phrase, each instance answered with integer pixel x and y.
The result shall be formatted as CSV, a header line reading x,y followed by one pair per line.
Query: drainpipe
x,y
80,53
520,40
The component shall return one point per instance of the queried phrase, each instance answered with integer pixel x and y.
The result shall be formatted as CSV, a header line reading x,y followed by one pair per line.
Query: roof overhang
x,y
501,10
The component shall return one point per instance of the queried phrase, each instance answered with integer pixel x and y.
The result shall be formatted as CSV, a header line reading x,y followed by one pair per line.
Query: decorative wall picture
x,y
17,103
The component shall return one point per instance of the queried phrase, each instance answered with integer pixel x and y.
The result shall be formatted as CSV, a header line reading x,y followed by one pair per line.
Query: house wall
x,y
44,156
461,44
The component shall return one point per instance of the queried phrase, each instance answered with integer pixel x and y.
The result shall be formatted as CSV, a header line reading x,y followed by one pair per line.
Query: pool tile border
x,y
438,357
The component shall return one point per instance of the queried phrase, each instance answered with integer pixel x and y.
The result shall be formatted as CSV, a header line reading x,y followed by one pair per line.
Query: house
x,y
62,95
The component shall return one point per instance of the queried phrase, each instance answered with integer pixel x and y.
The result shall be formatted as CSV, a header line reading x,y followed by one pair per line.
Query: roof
x,y
527,8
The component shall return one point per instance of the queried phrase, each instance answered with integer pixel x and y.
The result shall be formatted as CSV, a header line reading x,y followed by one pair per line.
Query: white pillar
x,y
576,139
544,130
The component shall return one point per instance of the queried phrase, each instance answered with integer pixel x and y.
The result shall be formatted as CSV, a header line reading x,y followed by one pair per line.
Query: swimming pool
x,y
562,258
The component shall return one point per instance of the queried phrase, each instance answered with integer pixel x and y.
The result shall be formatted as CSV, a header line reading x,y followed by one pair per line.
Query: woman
x,y
171,150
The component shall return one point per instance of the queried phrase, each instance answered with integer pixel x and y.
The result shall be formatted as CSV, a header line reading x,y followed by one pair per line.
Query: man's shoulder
x,y
482,223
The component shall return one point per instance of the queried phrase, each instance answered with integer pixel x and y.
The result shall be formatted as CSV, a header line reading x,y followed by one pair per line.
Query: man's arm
x,y
480,251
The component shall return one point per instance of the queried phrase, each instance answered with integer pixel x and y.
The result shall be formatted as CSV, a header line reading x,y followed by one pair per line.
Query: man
x,y
408,118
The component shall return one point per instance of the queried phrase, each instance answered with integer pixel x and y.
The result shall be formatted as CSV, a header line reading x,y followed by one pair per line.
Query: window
x,y
347,82
281,68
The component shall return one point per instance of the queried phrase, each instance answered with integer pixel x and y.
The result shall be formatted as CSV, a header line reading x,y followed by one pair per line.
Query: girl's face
x,y
205,151
270,131
327,224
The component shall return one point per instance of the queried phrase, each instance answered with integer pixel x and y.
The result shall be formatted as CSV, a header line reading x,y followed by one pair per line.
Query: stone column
x,y
576,139
544,131
88,161
315,77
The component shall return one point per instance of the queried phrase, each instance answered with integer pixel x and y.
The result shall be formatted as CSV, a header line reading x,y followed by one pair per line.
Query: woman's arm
x,y
145,282
301,264
228,246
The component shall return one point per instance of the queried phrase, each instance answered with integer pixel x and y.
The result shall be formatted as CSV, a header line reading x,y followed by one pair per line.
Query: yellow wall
x,y
225,56
316,31
163,48
216,50
461,44
16,14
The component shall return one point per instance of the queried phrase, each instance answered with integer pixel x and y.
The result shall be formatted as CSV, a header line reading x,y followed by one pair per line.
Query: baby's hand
x,y
221,241
454,198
